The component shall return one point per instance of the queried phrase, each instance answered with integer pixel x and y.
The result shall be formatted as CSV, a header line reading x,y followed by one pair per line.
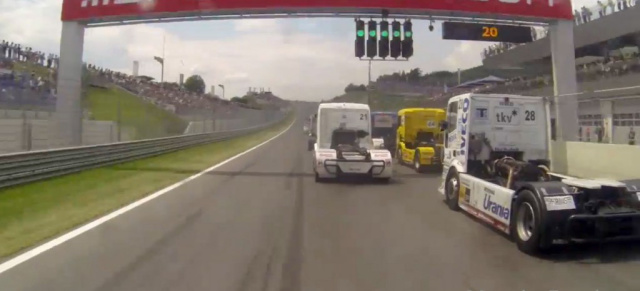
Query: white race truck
x,y
343,147
496,168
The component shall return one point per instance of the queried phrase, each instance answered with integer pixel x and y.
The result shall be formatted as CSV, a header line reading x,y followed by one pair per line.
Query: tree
x,y
352,88
146,78
239,100
195,84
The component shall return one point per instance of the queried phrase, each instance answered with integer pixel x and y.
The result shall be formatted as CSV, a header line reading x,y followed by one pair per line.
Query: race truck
x,y
496,167
310,125
343,145
383,130
419,139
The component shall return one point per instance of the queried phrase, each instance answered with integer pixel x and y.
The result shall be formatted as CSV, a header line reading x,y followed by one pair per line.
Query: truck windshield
x,y
331,119
381,132
382,125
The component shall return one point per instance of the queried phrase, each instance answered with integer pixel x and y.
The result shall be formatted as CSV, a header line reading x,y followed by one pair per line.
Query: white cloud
x,y
465,55
293,62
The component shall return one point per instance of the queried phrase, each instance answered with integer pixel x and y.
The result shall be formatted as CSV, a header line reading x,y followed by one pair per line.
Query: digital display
x,y
486,32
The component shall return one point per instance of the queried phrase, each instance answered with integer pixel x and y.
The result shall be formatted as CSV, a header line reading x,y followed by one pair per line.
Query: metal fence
x,y
112,115
32,166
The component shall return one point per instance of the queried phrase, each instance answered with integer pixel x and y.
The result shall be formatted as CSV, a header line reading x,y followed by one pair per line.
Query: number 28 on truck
x,y
496,167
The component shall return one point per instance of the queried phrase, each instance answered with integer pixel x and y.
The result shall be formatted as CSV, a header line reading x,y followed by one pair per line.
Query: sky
x,y
298,59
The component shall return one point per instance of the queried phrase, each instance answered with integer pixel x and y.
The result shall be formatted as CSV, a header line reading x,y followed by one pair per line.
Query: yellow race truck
x,y
419,139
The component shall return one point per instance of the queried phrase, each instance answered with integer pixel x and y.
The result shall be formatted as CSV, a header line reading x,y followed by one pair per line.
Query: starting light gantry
x,y
395,43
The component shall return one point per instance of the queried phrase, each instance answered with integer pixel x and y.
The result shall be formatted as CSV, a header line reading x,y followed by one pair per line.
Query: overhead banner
x,y
102,10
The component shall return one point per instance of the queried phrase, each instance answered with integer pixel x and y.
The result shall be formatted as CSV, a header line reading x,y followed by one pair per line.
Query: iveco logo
x,y
550,2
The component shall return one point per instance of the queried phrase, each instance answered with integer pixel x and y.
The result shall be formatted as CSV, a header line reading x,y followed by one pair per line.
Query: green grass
x,y
140,119
38,70
35,212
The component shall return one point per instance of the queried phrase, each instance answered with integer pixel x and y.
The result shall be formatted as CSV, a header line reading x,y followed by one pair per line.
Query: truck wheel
x,y
526,226
384,180
399,157
416,162
452,190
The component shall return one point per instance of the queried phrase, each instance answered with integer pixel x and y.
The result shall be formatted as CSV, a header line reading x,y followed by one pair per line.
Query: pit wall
x,y
596,160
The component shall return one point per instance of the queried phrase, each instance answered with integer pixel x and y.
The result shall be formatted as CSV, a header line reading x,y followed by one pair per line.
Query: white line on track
x,y
93,224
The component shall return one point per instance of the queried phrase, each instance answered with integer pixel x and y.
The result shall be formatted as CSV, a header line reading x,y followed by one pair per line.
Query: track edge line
x,y
21,258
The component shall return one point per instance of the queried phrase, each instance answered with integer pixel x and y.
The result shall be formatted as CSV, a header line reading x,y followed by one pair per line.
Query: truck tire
x,y
416,162
319,180
399,157
310,145
452,190
526,226
384,180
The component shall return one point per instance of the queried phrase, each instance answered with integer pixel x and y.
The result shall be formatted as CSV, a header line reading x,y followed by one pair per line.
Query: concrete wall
x,y
215,125
19,114
597,160
601,30
257,118
17,135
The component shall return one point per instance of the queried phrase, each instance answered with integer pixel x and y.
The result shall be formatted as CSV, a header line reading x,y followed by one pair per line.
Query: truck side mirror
x,y
443,125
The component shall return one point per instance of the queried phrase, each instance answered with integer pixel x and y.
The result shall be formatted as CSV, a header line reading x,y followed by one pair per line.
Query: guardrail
x,y
21,168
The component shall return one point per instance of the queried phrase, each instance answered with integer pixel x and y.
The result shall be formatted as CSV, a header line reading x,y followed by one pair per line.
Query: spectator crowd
x,y
28,78
20,86
596,69
582,16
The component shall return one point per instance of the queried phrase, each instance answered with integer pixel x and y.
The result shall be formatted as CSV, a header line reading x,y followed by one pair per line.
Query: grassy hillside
x,y
386,102
139,118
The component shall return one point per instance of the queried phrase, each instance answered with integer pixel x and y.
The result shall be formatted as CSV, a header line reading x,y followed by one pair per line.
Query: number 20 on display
x,y
489,31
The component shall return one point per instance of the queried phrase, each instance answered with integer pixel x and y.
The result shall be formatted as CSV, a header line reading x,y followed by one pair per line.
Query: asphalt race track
x,y
260,222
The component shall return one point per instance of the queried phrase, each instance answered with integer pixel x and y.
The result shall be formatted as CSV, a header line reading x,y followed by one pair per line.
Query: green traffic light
x,y
408,33
396,33
360,33
384,33
372,33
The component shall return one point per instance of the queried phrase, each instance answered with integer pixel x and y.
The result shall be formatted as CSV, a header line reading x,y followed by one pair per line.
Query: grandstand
x,y
601,36
117,107
28,79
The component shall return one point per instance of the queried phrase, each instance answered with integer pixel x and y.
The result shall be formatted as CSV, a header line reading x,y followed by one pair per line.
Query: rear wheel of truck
x,y
383,180
452,190
526,224
318,179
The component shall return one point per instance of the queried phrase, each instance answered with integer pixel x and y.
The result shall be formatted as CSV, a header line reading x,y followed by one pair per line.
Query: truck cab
x,y
482,127
496,168
383,130
419,138
343,146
